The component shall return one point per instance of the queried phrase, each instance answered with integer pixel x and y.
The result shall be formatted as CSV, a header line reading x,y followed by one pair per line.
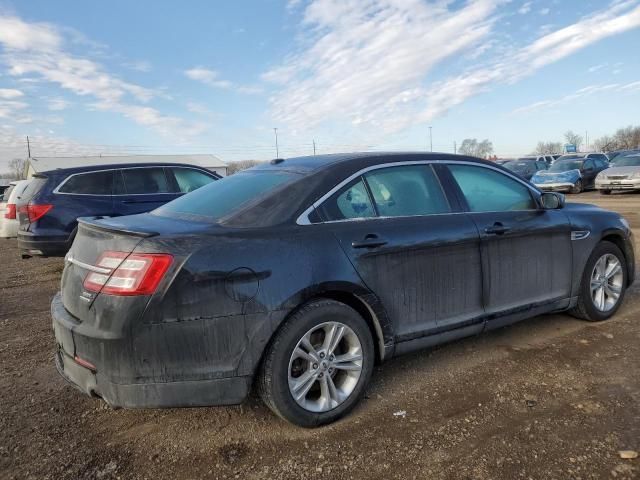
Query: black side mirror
x,y
552,200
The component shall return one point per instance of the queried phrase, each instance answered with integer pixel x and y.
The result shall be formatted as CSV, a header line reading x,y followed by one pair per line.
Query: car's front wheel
x,y
318,364
577,187
605,192
604,282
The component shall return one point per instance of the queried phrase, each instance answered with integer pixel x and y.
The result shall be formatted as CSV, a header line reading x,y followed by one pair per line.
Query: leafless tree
x,y
235,167
471,146
548,148
17,168
605,144
573,138
627,138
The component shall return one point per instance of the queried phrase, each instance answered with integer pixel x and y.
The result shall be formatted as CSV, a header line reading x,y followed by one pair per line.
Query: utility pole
x,y
455,148
586,140
314,147
431,138
275,131
28,147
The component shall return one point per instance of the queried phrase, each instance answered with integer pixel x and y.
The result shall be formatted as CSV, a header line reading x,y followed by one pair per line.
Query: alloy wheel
x,y
606,282
325,367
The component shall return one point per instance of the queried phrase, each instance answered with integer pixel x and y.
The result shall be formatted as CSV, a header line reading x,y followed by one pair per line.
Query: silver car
x,y
625,175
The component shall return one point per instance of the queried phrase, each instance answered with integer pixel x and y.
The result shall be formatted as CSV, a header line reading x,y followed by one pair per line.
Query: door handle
x,y
370,241
497,229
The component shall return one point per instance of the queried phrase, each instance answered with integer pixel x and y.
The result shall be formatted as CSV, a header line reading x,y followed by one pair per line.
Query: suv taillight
x,y
35,212
135,274
11,211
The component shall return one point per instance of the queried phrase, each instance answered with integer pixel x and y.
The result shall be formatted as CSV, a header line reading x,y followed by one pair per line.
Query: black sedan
x,y
298,275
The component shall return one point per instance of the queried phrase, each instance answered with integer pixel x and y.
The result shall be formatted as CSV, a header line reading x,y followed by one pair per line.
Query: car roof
x,y
109,166
314,163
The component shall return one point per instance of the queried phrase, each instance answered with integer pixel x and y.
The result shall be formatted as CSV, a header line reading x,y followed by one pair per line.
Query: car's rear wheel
x,y
318,364
605,192
603,284
577,188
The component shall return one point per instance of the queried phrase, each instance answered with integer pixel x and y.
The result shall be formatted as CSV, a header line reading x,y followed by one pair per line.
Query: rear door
x,y
409,246
588,173
142,189
526,250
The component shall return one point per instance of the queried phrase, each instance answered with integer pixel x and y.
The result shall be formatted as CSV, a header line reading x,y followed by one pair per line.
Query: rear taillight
x,y
11,211
135,274
35,212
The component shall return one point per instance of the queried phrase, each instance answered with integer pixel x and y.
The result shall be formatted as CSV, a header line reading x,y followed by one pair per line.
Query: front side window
x,y
139,181
487,190
189,179
94,183
351,201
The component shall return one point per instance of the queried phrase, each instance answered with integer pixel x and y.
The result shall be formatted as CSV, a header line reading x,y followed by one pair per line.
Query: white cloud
x,y
595,68
57,104
545,11
369,57
9,93
525,8
37,52
580,94
212,79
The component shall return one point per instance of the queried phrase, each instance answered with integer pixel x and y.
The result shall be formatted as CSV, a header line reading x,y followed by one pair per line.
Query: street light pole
x,y
431,138
275,131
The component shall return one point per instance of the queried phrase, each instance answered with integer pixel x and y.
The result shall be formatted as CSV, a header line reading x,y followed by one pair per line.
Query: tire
x,y
577,188
278,366
605,192
586,308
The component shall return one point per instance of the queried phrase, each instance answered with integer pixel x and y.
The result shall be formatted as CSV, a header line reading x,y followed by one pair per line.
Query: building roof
x,y
43,164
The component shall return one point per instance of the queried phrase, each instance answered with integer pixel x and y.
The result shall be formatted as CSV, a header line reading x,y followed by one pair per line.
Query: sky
x,y
124,77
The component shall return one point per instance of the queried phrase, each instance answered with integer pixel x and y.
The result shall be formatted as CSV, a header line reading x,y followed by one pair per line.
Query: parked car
x,y
526,167
613,156
8,219
623,175
298,275
570,173
55,199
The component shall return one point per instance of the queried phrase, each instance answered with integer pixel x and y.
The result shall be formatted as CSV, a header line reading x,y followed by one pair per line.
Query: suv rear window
x,y
92,183
227,195
145,180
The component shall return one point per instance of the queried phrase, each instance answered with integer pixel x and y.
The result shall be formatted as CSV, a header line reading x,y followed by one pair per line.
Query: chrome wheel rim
x,y
325,367
606,282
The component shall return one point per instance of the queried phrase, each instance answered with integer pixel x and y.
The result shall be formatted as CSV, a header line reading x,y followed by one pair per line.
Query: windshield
x,y
616,156
223,197
563,165
628,161
519,166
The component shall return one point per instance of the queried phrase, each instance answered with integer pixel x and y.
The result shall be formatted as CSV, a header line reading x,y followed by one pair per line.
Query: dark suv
x,y
54,200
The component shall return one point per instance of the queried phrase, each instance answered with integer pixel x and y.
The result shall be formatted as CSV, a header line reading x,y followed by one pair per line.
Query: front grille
x,y
617,177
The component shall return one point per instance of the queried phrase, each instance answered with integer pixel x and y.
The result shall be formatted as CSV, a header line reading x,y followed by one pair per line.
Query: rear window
x,y
30,189
225,196
93,183
139,181
189,179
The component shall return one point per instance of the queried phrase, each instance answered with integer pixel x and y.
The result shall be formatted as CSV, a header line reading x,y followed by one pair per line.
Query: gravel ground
x,y
552,397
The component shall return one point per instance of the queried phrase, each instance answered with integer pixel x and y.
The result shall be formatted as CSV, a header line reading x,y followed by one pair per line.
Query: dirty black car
x,y
298,275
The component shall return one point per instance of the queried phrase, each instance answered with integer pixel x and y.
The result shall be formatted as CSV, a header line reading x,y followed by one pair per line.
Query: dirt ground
x,y
549,398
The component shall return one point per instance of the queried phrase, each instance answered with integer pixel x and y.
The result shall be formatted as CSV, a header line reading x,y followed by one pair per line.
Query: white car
x,y
623,175
8,219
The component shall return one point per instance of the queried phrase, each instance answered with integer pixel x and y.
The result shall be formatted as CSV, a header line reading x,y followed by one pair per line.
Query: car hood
x,y
551,177
621,171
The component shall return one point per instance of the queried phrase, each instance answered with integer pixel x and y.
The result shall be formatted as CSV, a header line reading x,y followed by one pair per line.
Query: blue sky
x,y
166,77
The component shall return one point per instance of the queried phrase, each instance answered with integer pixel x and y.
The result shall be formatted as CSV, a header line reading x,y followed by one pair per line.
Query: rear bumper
x,y
44,246
135,394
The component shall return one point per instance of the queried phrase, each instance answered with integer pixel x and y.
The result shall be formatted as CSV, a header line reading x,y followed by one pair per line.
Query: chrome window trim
x,y
303,218
114,169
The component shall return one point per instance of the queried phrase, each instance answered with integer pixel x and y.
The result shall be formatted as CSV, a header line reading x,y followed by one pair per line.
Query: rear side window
x,y
139,181
93,183
406,191
189,179
487,190
7,192
352,201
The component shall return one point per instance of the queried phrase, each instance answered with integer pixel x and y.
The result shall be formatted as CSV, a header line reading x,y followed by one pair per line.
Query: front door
x,y
526,250
423,262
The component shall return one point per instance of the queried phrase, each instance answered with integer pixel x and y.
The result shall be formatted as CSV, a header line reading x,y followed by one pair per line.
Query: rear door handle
x,y
496,229
370,241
